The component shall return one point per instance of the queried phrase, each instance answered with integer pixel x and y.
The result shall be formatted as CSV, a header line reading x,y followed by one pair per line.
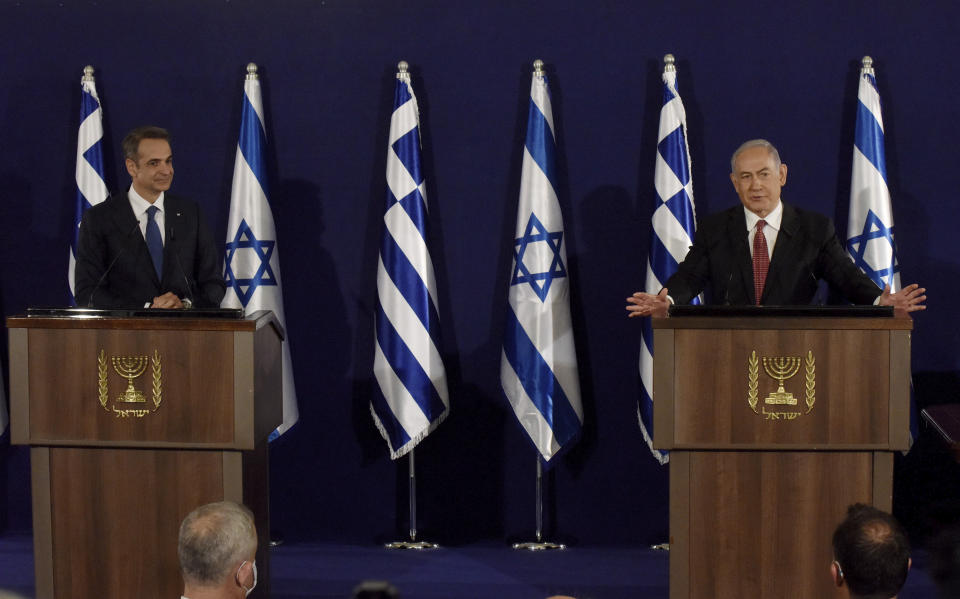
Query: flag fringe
x,y
413,442
660,456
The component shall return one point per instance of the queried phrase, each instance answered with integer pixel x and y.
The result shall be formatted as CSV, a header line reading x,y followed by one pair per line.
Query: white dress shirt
x,y
770,230
140,207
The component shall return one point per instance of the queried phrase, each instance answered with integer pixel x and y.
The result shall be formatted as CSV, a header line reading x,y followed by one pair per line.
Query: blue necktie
x,y
154,241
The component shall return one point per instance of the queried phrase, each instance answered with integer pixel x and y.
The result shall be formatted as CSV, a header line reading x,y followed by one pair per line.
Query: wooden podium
x,y
132,422
775,424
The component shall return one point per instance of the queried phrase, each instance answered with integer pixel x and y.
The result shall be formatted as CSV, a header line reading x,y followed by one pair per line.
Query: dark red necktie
x,y
761,261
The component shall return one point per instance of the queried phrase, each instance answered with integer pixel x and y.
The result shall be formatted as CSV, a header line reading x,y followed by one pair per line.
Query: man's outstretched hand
x,y
910,298
646,304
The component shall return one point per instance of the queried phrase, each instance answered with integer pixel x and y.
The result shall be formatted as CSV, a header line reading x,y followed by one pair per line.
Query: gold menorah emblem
x,y
781,368
131,367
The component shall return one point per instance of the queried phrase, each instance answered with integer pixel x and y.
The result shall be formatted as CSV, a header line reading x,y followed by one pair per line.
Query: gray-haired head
x,y
214,540
755,143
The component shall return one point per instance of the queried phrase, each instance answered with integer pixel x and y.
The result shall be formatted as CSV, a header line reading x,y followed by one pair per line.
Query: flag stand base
x,y
538,546
413,543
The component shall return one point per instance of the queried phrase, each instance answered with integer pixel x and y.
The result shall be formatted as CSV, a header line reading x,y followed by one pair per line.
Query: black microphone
x,y
816,285
187,301
726,291
123,249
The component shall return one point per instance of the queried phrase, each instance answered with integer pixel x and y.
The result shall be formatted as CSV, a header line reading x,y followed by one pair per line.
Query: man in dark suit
x,y
143,247
767,252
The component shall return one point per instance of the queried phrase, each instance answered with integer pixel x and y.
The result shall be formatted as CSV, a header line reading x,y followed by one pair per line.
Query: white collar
x,y
140,205
773,219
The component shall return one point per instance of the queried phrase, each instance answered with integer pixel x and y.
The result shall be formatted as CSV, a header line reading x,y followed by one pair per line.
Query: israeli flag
x,y
538,366
411,398
674,225
91,184
252,264
870,238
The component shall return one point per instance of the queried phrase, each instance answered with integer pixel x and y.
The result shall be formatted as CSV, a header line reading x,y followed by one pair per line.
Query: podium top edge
x,y
904,323
215,320
783,311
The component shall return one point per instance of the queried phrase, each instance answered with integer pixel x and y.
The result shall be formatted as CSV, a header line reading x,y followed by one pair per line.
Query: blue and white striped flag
x,y
252,264
674,225
91,184
871,242
870,238
411,398
538,367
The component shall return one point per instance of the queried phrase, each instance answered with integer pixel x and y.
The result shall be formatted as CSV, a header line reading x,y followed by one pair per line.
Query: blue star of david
x,y
245,239
539,281
873,228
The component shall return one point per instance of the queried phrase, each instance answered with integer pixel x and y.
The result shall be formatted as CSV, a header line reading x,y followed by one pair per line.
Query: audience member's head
x,y
375,589
871,554
217,549
945,562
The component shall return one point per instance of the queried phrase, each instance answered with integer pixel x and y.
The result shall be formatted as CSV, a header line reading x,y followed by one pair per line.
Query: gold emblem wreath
x,y
811,369
753,370
157,380
102,379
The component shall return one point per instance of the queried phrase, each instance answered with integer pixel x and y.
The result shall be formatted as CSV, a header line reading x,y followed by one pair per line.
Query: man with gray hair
x,y
217,549
767,252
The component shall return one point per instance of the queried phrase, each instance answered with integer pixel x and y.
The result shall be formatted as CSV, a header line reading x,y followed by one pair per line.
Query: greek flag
x,y
870,237
538,366
91,186
673,228
411,398
252,265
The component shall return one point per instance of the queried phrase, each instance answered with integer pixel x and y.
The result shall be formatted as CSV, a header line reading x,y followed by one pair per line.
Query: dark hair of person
x,y
873,552
131,143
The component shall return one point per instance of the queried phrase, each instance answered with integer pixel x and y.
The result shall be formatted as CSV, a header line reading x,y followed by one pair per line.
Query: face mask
x,y
237,577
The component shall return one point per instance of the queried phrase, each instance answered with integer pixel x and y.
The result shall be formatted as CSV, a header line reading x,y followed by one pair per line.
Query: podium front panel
x,y
786,389
166,387
759,523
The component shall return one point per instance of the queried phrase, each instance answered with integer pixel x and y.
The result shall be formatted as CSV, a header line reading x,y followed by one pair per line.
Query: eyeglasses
x,y
839,569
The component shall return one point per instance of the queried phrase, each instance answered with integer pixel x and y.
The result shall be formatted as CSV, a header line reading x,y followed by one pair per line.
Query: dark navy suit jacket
x,y
109,231
807,249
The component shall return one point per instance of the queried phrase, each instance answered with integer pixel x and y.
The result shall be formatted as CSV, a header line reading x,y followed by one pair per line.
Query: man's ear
x,y
131,166
783,174
835,574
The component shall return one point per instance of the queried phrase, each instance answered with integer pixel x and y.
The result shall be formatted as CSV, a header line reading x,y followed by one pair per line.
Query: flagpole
x,y
413,543
539,544
406,288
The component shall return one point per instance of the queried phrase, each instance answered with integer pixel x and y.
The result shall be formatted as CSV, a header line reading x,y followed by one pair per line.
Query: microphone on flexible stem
x,y
123,249
816,284
187,301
